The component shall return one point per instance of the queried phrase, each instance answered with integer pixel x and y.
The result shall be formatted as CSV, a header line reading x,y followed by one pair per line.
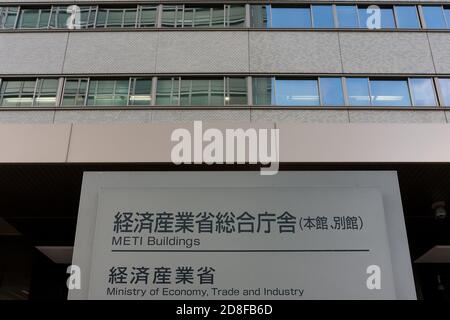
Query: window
x,y
331,91
75,92
407,17
358,91
434,17
34,18
8,17
347,16
322,16
45,95
296,92
387,20
116,18
444,84
201,92
29,93
17,93
422,92
194,16
108,92
140,92
389,93
283,17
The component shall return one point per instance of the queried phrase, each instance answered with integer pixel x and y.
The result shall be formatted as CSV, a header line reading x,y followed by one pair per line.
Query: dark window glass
x,y
390,93
434,17
347,16
407,17
422,92
322,16
296,92
444,83
291,17
358,91
331,91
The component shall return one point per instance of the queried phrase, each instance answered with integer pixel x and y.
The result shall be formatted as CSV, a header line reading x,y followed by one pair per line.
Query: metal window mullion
x,y
182,15
95,16
345,91
159,14
153,90
274,93
86,95
312,16
335,17
270,15
210,16
179,91
394,9
16,22
247,16
36,85
130,80
226,90
59,91
410,91
357,17
249,82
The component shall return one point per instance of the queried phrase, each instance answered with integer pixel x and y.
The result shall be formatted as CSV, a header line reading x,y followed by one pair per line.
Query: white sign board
x,y
239,235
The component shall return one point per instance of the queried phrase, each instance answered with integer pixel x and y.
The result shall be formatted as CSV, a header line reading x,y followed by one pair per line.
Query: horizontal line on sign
x,y
312,250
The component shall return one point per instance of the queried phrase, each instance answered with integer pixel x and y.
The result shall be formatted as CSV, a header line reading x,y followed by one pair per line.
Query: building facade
x,y
101,85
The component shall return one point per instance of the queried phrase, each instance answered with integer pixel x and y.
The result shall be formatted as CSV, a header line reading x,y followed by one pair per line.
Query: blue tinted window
x,y
347,16
291,18
323,16
358,91
387,20
422,92
331,92
296,93
434,17
445,91
407,17
390,93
